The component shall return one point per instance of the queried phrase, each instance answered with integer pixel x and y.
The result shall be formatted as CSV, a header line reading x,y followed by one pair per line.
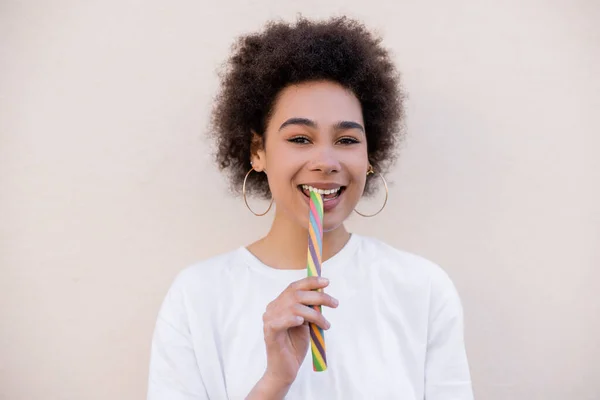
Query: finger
x,y
283,323
311,315
309,283
313,298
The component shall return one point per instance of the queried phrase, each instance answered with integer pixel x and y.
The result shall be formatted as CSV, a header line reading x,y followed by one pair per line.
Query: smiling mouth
x,y
327,194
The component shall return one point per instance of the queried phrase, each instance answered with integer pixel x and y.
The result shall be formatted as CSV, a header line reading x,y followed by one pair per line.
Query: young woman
x,y
310,106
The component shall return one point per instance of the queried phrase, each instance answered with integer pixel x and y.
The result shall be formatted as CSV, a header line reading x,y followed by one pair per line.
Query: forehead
x,y
324,102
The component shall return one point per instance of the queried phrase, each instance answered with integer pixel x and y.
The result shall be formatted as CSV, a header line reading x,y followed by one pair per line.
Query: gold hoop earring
x,y
369,172
246,201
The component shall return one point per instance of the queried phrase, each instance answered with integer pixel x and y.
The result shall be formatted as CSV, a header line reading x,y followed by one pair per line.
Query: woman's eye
x,y
299,139
348,140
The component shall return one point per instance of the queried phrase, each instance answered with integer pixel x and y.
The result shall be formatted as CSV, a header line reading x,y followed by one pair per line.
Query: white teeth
x,y
321,191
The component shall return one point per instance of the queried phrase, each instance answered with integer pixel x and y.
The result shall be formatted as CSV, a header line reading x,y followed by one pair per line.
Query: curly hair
x,y
262,64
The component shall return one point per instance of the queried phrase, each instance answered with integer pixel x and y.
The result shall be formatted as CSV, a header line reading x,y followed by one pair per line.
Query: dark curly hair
x,y
341,50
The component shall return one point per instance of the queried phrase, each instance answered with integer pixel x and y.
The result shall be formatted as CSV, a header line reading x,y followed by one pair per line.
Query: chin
x,y
334,220
332,227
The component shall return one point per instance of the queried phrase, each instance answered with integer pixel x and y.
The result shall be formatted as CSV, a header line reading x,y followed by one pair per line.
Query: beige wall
x,y
107,189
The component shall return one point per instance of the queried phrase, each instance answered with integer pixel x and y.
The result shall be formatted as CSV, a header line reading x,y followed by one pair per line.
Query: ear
x,y
257,153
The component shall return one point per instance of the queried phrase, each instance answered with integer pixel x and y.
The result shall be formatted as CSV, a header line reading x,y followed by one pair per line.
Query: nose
x,y
325,161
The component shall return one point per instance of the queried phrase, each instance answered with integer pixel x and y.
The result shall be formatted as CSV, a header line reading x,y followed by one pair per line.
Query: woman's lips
x,y
328,204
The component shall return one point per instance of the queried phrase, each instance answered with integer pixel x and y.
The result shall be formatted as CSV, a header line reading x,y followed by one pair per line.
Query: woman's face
x,y
315,138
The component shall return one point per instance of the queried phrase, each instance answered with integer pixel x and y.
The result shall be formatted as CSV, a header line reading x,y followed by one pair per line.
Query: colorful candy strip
x,y
315,254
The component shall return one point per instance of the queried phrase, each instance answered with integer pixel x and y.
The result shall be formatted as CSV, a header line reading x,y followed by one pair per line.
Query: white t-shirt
x,y
396,334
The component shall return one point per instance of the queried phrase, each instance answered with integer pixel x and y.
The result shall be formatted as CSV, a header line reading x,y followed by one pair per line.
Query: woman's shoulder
x,y
210,273
403,263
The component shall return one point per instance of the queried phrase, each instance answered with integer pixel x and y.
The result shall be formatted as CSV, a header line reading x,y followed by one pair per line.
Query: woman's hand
x,y
286,327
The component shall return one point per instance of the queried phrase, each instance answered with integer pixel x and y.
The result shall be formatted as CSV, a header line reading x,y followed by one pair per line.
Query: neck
x,y
286,244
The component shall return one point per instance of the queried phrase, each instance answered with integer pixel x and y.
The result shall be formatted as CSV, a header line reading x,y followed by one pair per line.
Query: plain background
x,y
108,189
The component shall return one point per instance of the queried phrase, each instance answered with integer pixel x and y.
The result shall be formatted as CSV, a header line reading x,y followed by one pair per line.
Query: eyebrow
x,y
341,125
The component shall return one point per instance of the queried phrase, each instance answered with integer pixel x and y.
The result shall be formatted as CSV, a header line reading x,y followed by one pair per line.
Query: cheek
x,y
280,174
358,170
357,191
359,182
284,162
276,181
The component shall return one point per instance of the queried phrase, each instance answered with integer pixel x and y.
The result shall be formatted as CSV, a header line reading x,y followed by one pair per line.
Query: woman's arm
x,y
268,389
174,373
447,375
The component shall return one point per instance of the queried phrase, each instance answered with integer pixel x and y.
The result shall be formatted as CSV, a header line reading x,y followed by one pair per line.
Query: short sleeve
x,y
174,372
447,375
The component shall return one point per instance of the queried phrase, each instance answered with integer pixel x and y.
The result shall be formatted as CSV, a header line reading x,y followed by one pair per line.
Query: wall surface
x,y
107,188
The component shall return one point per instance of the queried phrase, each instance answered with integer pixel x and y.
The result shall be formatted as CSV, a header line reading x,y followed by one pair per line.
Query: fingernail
x,y
335,302
323,280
